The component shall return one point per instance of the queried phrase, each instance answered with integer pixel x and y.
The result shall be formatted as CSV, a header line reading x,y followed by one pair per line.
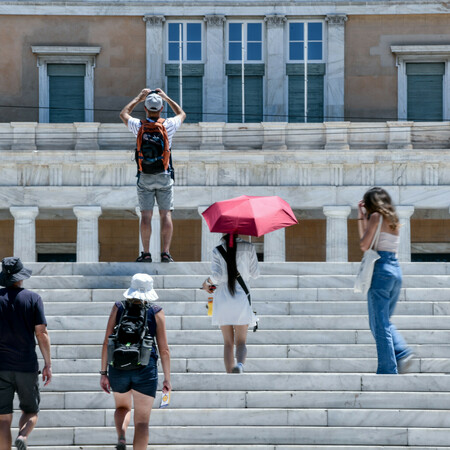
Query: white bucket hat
x,y
141,288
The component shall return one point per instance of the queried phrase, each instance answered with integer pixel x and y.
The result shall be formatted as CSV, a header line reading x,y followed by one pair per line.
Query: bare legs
x,y
232,335
142,409
166,229
146,229
27,423
5,431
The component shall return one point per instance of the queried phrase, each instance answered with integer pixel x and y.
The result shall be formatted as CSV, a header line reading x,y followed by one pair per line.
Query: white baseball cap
x,y
153,102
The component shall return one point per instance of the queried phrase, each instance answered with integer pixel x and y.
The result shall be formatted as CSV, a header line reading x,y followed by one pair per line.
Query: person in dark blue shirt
x,y
21,320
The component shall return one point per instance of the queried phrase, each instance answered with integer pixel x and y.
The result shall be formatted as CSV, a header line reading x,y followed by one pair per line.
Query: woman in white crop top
x,y
394,355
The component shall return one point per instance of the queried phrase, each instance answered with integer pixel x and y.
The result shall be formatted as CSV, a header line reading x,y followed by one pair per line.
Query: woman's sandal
x,y
145,257
121,446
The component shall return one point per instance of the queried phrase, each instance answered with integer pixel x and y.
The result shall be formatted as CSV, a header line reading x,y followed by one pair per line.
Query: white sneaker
x,y
404,364
238,368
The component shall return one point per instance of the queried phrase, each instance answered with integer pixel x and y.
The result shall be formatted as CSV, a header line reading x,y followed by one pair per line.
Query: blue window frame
x,y
312,34
190,40
247,35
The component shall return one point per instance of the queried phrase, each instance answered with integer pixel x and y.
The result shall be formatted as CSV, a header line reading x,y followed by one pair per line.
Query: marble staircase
x,y
309,381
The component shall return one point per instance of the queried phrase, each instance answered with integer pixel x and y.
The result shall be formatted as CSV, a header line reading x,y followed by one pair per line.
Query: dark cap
x,y
13,271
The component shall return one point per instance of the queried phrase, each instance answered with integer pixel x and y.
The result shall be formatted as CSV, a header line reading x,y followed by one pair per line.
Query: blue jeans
x,y
382,298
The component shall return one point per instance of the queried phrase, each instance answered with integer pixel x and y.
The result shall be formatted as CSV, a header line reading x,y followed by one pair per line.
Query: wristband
x,y
103,372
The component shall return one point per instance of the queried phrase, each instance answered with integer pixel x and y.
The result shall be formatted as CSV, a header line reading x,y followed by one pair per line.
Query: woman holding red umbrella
x,y
234,262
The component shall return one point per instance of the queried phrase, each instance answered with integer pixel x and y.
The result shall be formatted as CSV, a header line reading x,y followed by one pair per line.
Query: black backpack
x,y
131,345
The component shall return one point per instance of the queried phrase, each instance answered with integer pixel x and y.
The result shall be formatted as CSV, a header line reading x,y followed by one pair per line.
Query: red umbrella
x,y
248,215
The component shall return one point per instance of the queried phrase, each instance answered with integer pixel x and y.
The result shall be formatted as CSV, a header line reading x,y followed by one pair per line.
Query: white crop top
x,y
388,242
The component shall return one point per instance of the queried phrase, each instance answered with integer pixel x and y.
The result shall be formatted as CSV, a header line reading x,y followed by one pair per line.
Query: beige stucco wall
x,y
119,72
370,70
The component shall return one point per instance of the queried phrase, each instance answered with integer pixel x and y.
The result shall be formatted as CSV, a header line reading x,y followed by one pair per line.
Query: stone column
x,y
275,109
154,40
87,232
399,135
24,135
404,214
275,246
155,238
337,242
25,232
334,109
87,135
214,79
209,240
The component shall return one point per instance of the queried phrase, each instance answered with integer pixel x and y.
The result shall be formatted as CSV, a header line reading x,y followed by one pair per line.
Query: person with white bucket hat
x,y
129,369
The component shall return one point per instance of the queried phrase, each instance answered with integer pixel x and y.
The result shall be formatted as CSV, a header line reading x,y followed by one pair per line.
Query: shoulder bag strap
x,y
239,278
377,234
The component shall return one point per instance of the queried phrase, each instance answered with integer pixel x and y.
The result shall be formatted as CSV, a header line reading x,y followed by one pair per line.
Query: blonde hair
x,y
378,200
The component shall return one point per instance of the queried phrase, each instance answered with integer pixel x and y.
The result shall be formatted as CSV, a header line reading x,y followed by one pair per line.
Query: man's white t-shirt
x,y
171,125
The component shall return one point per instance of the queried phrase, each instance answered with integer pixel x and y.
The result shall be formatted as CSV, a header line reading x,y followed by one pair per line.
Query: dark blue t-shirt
x,y
20,311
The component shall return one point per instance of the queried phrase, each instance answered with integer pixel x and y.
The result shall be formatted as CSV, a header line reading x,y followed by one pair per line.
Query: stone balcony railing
x,y
219,154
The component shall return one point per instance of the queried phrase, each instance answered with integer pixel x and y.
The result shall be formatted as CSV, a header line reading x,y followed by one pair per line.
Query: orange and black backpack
x,y
152,147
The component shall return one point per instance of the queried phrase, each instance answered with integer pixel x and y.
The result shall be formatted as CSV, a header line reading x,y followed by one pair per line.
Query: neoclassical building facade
x,y
376,112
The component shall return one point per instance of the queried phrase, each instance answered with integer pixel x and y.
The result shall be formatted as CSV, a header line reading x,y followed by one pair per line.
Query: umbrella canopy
x,y
253,216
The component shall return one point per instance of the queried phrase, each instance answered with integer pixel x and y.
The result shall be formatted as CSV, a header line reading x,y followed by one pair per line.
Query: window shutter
x,y
296,86
192,96
66,92
425,91
253,99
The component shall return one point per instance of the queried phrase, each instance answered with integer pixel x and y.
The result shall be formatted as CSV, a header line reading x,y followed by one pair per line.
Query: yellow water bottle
x,y
210,306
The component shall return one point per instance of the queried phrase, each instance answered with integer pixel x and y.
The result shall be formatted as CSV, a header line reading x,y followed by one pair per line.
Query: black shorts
x,y
26,385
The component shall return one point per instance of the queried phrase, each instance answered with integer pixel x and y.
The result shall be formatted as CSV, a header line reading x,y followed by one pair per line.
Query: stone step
x,y
258,294
236,446
265,381
263,416
336,399
203,268
272,322
195,281
250,435
259,365
270,337
261,351
199,308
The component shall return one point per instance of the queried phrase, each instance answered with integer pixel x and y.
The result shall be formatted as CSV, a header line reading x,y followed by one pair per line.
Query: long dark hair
x,y
378,200
231,263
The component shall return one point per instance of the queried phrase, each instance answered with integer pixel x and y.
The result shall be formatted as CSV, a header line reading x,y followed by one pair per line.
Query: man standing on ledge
x,y
21,319
154,183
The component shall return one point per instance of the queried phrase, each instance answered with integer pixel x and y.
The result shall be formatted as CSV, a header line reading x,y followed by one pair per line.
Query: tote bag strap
x,y
377,234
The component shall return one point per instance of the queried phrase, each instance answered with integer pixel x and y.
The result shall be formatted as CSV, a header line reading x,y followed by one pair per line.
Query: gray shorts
x,y
26,385
159,186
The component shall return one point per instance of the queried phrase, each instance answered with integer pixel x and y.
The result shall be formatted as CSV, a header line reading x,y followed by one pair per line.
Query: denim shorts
x,y
143,380
158,186
26,385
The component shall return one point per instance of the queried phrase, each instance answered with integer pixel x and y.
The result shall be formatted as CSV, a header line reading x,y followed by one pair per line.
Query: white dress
x,y
229,309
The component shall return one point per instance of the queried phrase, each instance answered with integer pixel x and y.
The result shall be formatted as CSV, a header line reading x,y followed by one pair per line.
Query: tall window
x,y
188,36
66,83
247,36
423,81
305,39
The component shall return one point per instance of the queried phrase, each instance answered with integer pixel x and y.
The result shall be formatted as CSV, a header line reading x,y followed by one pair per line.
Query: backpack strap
x,y
239,278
